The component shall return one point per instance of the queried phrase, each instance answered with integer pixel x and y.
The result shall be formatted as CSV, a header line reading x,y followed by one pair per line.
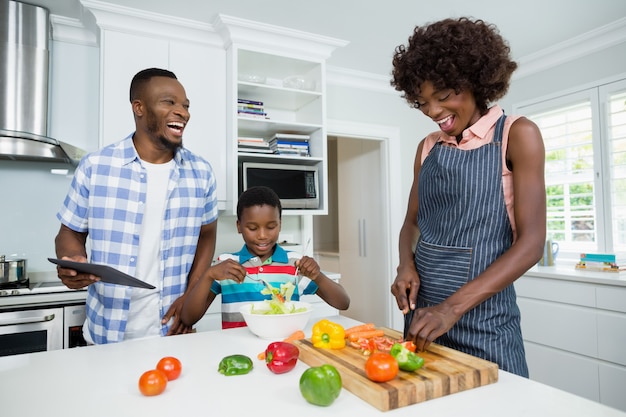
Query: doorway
x,y
359,235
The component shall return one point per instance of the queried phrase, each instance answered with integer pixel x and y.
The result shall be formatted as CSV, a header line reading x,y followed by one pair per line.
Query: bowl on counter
x,y
275,326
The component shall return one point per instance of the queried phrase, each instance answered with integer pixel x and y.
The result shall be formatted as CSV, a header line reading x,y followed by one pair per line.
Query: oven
x,y
40,316
31,330
26,329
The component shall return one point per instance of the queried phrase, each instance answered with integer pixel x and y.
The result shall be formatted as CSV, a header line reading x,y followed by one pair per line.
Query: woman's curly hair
x,y
460,54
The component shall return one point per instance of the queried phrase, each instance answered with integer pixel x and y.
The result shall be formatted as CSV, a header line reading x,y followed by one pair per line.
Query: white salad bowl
x,y
275,326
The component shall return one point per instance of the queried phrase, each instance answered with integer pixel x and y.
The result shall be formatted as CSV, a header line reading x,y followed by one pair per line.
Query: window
x,y
585,139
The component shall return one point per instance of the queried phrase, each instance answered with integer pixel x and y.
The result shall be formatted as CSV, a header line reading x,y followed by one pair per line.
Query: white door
x,y
362,240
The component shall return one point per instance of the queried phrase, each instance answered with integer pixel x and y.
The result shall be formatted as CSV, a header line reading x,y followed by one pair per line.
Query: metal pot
x,y
12,270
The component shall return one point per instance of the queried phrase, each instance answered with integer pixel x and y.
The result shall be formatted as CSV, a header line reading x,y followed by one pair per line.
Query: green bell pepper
x,y
407,360
320,385
235,365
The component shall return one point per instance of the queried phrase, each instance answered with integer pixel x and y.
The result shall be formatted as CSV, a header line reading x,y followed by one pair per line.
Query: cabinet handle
x,y
26,320
362,242
363,239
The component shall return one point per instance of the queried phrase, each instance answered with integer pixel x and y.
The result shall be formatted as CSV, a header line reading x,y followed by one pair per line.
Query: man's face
x,y
166,112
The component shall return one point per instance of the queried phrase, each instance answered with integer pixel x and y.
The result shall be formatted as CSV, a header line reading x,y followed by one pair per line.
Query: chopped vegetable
x,y
320,385
359,328
367,334
235,365
280,302
328,335
407,360
297,335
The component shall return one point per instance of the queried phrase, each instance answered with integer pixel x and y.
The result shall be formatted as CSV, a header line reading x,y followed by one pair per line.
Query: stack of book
x,y
292,144
251,109
602,262
256,145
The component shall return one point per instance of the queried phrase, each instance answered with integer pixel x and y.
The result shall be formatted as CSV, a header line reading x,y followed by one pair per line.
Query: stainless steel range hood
x,y
24,61
23,146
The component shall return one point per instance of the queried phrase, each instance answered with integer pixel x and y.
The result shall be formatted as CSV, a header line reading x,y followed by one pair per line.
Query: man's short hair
x,y
142,77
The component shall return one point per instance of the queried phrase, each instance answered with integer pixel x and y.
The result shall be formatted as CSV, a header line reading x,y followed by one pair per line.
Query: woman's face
x,y
451,111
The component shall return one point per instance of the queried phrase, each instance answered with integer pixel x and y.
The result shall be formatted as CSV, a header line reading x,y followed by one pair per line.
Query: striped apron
x,y
464,227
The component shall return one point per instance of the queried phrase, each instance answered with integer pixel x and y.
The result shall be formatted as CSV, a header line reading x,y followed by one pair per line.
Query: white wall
x,y
351,104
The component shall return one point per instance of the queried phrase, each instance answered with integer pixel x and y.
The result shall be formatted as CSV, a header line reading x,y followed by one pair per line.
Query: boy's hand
x,y
308,267
228,269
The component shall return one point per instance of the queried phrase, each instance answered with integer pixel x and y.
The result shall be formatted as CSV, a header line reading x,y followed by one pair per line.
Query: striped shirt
x,y
477,135
106,199
277,269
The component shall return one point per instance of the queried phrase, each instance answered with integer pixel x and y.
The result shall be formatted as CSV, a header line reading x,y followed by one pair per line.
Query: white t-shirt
x,y
144,317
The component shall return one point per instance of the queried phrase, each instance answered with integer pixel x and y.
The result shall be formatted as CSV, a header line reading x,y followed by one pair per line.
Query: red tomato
x,y
381,367
152,382
170,366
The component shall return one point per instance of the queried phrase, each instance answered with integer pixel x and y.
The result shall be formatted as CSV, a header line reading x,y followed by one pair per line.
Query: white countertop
x,y
102,381
567,271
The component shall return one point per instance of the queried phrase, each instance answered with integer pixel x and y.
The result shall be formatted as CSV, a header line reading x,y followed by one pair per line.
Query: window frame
x,y
597,94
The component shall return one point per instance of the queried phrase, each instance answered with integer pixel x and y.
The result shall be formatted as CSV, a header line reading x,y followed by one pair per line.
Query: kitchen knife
x,y
105,272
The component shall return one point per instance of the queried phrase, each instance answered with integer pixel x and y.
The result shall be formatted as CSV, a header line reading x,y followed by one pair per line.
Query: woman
x,y
477,206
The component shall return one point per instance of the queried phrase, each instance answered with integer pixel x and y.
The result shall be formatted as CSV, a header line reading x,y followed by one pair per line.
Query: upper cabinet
x,y
278,72
192,51
276,86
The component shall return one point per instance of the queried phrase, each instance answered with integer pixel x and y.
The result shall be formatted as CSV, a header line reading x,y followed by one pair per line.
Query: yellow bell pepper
x,y
328,335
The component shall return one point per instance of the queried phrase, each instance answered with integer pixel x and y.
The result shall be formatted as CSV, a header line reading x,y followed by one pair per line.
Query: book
x,y
245,101
598,257
252,116
248,110
249,106
600,266
604,262
291,136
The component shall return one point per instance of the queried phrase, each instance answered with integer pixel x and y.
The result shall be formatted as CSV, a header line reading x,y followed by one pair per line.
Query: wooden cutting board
x,y
445,372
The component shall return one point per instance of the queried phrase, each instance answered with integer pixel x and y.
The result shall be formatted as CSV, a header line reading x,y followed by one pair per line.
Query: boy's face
x,y
259,227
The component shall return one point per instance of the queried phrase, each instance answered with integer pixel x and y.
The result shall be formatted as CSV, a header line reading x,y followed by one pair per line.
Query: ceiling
x,y
374,28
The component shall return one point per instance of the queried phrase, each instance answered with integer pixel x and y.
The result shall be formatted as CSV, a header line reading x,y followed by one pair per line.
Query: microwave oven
x,y
297,186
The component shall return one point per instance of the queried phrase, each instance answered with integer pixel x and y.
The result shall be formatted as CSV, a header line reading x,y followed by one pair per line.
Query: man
x,y
146,206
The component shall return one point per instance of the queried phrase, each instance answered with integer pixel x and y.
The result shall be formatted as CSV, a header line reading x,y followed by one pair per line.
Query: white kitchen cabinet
x,y
298,110
122,55
574,333
360,216
284,70
201,69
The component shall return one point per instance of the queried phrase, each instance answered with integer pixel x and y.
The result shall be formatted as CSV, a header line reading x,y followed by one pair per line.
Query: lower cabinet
x,y
574,335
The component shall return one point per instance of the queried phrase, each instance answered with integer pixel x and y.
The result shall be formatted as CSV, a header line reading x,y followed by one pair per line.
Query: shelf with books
x,y
268,127
276,158
282,97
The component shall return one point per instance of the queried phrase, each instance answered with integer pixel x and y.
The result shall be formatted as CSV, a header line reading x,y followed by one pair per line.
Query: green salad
x,y
280,302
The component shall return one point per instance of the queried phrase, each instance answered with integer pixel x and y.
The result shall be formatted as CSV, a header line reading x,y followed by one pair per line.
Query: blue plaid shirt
x,y
105,200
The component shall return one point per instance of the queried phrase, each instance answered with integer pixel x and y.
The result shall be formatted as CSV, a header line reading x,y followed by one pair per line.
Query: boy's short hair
x,y
258,196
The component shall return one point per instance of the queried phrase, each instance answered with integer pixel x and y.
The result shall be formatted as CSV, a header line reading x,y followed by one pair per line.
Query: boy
x,y
258,220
